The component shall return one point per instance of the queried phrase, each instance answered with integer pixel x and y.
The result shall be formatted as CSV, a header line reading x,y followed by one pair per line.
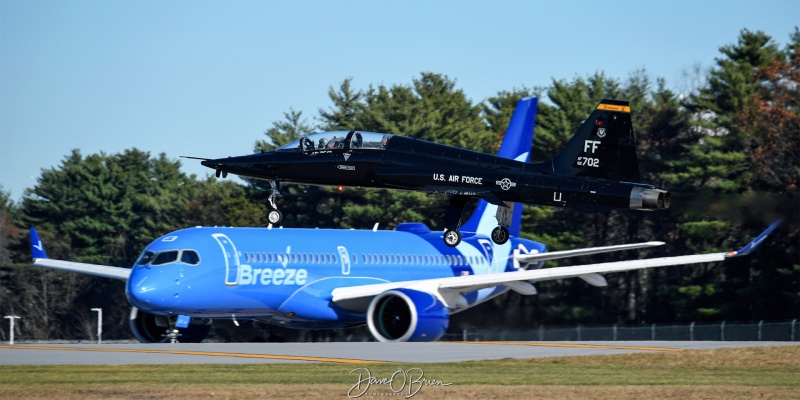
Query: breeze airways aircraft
x,y
403,284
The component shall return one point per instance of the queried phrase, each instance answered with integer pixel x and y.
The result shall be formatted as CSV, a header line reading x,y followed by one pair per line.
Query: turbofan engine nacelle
x,y
151,328
406,315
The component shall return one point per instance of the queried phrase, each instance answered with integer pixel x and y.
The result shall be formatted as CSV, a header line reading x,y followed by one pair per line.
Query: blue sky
x,y
208,78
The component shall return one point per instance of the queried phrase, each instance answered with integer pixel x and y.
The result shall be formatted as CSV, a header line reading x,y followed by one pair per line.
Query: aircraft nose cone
x,y
155,294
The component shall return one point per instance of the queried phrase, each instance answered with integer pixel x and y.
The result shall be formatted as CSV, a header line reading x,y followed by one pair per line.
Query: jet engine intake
x,y
649,199
151,328
406,315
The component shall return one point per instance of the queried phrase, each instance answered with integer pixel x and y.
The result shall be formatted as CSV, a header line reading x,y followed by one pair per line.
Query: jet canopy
x,y
347,140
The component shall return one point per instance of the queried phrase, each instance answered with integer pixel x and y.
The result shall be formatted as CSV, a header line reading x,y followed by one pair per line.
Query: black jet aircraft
x,y
596,171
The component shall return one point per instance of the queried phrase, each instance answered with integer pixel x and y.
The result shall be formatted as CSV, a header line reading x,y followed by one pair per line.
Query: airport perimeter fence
x,y
722,331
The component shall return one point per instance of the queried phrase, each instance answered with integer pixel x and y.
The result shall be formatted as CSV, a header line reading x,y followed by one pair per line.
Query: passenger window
x,y
165,257
190,257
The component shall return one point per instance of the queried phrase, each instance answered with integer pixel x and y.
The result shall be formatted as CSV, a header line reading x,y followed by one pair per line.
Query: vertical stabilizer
x,y
516,145
604,146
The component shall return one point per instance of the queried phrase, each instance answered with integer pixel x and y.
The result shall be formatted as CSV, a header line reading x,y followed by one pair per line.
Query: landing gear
x,y
172,333
219,172
452,237
452,220
504,215
274,216
500,235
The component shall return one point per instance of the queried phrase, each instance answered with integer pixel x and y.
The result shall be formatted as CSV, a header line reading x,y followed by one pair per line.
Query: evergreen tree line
x,y
729,152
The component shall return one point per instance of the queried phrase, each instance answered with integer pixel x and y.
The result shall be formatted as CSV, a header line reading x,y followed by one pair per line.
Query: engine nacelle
x,y
405,315
151,328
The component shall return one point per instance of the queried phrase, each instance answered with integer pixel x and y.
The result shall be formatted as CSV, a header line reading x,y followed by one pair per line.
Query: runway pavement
x,y
348,353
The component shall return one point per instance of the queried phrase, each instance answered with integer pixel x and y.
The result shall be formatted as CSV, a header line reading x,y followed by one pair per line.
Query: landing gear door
x,y
231,259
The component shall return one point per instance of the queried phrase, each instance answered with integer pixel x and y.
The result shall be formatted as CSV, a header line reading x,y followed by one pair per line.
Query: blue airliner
x,y
403,284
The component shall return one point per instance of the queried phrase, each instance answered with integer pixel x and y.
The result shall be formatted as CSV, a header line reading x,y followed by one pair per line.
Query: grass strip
x,y
770,372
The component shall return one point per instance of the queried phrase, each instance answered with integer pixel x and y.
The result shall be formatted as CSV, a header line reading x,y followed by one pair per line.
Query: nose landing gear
x,y
274,215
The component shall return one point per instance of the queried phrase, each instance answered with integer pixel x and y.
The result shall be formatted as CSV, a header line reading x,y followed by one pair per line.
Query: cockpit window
x,y
146,257
190,257
165,257
369,140
322,141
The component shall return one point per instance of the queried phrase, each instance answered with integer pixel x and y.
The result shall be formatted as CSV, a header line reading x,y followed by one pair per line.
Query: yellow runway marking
x,y
579,346
201,353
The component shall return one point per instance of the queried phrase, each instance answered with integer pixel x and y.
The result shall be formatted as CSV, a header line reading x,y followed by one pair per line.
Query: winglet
x,y
37,248
750,247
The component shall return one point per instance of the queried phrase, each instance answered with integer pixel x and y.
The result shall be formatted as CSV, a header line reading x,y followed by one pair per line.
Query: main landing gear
x,y
452,237
504,215
274,215
452,221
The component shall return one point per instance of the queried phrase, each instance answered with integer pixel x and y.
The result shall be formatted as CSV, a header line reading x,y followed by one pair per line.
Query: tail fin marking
x,y
37,248
604,146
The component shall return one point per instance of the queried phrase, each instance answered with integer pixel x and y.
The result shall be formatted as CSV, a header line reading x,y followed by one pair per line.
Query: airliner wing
x,y
554,255
40,260
449,289
90,269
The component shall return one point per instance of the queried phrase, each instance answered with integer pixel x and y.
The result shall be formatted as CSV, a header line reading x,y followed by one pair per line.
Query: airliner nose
x,y
151,294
